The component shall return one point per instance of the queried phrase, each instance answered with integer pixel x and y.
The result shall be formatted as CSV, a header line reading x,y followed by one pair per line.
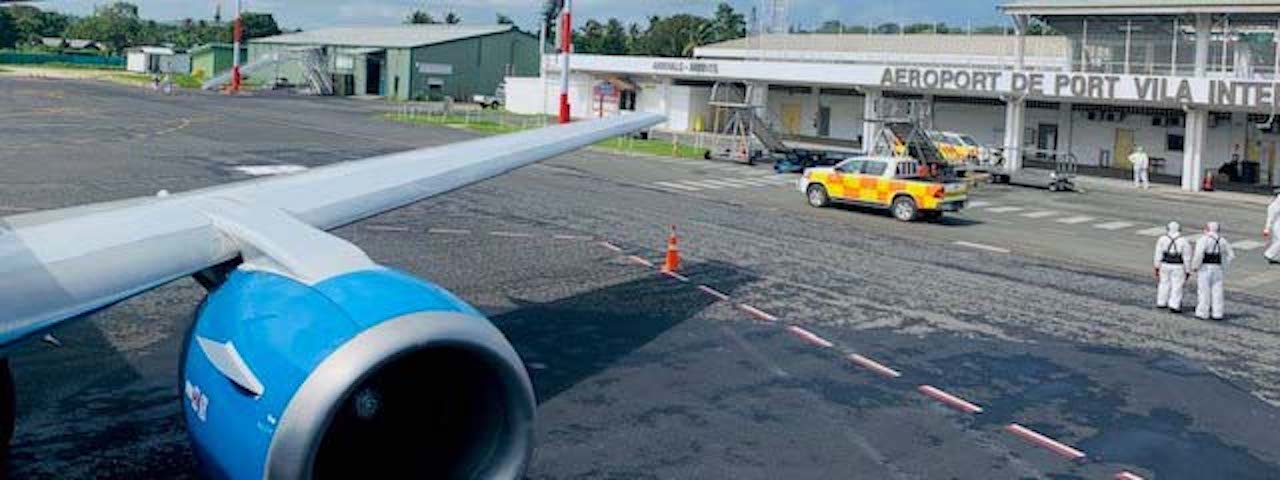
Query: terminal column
x,y
1193,149
870,129
1013,116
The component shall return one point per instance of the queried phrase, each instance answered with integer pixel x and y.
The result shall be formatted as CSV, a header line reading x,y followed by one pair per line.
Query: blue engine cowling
x,y
373,373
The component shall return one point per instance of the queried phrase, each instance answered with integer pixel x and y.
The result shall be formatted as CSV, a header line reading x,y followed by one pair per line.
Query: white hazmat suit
x,y
1141,168
1212,257
1272,231
1172,261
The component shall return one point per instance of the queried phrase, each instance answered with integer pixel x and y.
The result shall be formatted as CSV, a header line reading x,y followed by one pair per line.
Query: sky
x,y
312,14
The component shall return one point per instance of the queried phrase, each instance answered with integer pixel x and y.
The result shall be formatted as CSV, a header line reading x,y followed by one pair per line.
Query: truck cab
x,y
901,184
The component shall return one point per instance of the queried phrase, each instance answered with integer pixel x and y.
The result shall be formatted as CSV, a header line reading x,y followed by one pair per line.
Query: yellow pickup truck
x,y
887,182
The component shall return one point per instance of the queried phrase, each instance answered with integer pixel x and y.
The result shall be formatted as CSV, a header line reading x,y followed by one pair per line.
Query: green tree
x,y
727,24
608,38
452,18
258,25
501,19
29,24
8,35
419,17
836,26
886,28
674,36
115,25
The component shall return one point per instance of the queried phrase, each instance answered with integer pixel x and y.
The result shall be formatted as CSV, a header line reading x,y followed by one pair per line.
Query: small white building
x,y
1197,84
157,60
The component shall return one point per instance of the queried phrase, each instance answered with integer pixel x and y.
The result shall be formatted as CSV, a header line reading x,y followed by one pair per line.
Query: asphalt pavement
x,y
1015,340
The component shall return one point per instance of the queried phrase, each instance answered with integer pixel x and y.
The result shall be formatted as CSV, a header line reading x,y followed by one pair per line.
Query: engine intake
x,y
372,373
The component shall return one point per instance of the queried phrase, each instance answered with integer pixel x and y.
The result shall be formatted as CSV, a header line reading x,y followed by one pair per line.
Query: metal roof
x,y
1137,7
400,36
922,44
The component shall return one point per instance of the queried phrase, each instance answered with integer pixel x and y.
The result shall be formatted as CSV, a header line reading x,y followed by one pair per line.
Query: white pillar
x,y
1020,46
666,102
1066,127
1013,116
1203,24
1193,149
870,128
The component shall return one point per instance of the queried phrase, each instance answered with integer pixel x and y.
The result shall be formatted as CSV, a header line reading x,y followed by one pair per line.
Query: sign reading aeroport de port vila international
x,y
1161,91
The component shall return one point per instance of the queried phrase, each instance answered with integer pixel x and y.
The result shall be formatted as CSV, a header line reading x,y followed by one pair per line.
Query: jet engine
x,y
371,374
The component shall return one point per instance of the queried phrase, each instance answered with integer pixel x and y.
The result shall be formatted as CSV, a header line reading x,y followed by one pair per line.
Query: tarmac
x,y
1015,340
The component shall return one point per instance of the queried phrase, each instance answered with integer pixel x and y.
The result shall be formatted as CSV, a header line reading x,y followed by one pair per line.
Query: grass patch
x,y
186,81
515,123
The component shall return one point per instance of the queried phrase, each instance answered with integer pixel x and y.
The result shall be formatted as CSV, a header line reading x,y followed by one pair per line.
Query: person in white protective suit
x,y
1212,257
1271,231
1141,168
1172,261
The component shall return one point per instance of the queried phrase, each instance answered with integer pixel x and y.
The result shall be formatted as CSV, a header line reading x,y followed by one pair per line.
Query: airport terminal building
x,y
1194,83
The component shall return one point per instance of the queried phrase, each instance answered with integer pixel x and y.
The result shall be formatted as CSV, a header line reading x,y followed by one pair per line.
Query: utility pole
x,y
566,47
237,32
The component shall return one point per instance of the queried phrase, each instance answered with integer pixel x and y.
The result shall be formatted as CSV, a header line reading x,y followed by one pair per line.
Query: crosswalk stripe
x,y
1005,209
1153,231
1075,220
677,186
1040,214
721,183
741,182
1113,225
759,182
703,184
979,204
1248,245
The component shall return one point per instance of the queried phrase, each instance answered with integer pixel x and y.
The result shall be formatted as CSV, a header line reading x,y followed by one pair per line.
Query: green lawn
x,y
483,123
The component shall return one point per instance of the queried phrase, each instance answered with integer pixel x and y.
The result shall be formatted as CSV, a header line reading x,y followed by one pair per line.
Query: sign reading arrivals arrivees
x,y
1158,90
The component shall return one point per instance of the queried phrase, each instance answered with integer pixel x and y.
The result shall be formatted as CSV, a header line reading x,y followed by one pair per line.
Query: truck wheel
x,y
817,196
904,208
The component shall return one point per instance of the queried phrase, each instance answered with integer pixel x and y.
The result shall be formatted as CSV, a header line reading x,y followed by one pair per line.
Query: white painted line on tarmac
x,y
754,181
949,399
449,231
783,178
713,292
1005,209
1153,231
1113,225
1076,220
611,246
639,261
15,209
980,246
1040,214
510,234
1045,442
676,276
810,337
702,184
386,228
873,365
677,186
979,204
758,313
736,183
1126,475
571,237
1247,245
723,183
267,170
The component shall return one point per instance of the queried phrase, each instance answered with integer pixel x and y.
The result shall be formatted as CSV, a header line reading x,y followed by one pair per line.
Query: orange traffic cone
x,y
673,253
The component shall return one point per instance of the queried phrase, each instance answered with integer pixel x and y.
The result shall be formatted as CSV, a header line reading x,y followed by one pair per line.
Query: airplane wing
x,y
61,264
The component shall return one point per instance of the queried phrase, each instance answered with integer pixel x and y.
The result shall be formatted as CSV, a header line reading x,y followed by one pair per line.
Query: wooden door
x,y
1124,148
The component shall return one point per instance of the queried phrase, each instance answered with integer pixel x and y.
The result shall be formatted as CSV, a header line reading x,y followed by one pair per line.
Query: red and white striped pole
x,y
566,47
237,33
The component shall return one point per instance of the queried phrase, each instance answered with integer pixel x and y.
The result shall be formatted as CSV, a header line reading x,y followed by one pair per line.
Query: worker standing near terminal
x,y
1213,256
1141,168
1172,262
1271,231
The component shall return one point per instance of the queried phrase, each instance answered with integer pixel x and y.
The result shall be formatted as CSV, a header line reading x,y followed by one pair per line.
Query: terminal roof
x,y
1137,7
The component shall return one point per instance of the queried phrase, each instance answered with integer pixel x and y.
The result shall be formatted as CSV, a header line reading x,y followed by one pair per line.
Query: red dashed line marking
x,y
713,292
1043,441
949,399
758,313
639,261
873,365
1128,476
611,246
676,276
809,337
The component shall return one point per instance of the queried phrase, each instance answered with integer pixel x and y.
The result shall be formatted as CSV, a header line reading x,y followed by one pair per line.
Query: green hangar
x,y
404,62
